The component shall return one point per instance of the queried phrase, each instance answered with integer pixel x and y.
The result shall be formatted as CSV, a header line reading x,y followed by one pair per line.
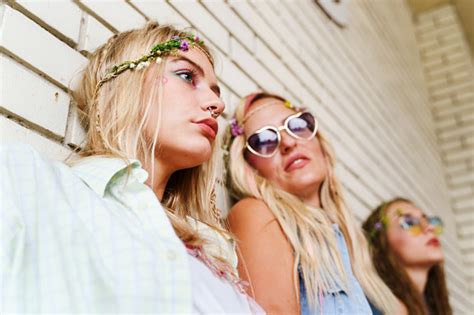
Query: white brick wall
x,y
449,76
365,82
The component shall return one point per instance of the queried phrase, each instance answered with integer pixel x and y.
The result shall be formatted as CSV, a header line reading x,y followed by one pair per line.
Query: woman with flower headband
x,y
407,255
299,246
105,234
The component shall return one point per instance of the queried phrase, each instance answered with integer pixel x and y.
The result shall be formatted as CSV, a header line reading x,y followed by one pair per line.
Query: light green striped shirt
x,y
92,238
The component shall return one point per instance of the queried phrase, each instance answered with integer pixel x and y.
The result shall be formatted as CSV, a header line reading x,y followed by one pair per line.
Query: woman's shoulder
x,y
250,210
22,162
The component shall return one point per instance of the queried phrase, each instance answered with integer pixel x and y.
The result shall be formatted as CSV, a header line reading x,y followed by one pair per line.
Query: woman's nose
x,y
287,142
213,103
427,227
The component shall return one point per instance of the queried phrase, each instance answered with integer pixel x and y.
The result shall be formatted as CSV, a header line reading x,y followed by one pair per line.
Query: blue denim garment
x,y
338,301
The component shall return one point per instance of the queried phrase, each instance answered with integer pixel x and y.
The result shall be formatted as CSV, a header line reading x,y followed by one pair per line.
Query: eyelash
x,y
192,73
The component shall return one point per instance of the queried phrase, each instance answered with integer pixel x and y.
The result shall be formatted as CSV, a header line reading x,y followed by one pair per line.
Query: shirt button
x,y
171,255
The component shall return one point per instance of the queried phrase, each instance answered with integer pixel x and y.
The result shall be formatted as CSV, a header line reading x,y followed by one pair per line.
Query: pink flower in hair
x,y
235,129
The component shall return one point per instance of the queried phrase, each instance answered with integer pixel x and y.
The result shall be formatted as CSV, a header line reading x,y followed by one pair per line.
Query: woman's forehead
x,y
268,111
405,208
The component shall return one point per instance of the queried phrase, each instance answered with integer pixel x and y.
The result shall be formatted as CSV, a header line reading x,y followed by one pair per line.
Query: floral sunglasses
x,y
265,141
415,226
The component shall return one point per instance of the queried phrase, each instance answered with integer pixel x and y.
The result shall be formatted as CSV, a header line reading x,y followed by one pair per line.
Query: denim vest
x,y
338,301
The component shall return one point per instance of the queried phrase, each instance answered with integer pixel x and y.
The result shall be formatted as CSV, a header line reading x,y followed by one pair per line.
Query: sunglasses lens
x,y
302,126
437,223
264,142
411,225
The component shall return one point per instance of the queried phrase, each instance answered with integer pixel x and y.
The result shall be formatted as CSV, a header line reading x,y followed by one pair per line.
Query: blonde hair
x,y
123,105
309,230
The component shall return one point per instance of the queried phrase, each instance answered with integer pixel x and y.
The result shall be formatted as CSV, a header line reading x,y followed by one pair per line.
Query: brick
x,y
55,58
447,123
426,26
63,16
15,133
123,17
443,102
266,33
280,70
465,203
465,232
457,167
468,140
456,132
232,22
96,34
428,45
236,79
466,217
461,193
201,19
456,157
253,68
161,12
75,133
442,71
35,99
439,80
454,144
466,95
464,179
459,109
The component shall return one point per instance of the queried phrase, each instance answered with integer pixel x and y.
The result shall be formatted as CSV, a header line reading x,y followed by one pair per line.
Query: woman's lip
x,y
208,131
296,163
433,242
209,126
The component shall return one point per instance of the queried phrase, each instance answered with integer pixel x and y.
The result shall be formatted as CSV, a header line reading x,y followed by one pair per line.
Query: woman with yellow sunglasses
x,y
408,256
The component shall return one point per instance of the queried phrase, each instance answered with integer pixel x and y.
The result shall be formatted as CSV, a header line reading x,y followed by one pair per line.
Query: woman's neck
x,y
419,277
312,200
159,174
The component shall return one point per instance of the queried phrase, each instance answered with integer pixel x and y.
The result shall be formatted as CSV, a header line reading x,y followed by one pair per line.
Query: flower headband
x,y
382,223
159,51
171,47
237,130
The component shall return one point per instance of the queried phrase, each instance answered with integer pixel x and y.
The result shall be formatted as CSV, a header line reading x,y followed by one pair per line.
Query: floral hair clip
x,y
379,226
235,129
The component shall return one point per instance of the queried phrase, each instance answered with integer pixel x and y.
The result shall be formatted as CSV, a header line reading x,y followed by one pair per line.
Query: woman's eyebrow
x,y
214,87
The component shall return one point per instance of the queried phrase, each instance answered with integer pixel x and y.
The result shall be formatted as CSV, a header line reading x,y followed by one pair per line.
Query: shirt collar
x,y
97,172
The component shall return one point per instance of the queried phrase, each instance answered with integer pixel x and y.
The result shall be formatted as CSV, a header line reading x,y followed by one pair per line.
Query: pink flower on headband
x,y
235,129
184,46
378,226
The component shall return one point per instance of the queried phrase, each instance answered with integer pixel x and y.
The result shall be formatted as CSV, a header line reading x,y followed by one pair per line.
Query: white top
x,y
213,295
94,239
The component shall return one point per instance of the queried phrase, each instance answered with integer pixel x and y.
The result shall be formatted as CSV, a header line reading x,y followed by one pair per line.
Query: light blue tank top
x,y
338,301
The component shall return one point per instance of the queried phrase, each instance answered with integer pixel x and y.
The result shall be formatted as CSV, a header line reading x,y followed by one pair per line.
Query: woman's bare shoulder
x,y
250,211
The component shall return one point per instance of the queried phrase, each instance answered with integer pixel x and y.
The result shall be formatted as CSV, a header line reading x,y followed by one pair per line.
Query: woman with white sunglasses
x,y
407,254
299,245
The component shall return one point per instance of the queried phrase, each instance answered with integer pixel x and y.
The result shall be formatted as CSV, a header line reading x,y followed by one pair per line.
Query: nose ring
x,y
212,111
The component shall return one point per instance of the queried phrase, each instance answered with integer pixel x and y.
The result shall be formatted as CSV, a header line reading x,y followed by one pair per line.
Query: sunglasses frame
x,y
277,131
428,219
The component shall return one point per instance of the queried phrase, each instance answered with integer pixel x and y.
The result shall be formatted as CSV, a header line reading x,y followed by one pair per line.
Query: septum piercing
x,y
212,112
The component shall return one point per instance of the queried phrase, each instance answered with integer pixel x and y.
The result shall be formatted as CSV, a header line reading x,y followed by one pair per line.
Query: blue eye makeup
x,y
189,76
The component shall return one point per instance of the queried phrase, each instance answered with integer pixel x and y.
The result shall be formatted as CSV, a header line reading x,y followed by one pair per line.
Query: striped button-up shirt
x,y
87,238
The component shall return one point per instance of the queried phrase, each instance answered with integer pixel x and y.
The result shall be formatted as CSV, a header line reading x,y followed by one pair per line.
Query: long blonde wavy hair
x,y
309,230
123,105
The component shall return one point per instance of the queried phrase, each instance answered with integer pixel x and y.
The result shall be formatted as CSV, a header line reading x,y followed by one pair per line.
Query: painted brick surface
x,y
449,76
